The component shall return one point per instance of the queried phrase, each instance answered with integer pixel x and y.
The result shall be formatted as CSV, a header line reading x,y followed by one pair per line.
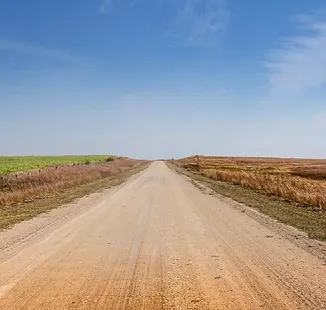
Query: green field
x,y
10,164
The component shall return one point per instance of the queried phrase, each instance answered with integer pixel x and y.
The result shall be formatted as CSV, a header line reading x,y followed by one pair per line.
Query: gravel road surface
x,y
155,242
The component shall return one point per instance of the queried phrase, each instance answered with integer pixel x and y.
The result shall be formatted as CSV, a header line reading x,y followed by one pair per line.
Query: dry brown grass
x,y
307,218
12,215
25,187
299,180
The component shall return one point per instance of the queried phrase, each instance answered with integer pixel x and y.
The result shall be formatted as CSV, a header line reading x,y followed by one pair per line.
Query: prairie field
x,y
23,187
9,164
302,181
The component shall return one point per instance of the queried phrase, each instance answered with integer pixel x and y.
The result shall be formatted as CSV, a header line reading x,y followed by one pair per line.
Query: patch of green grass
x,y
9,164
307,219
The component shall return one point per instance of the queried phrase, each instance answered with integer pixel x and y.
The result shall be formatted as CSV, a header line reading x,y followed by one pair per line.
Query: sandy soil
x,y
155,242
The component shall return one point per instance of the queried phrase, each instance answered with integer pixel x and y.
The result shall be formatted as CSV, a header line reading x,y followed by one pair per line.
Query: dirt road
x,y
155,242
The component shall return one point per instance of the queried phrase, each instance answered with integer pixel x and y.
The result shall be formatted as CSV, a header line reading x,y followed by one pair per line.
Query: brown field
x,y
298,180
27,186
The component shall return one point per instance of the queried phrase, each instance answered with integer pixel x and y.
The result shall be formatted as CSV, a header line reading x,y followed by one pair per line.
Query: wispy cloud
x,y
300,63
106,6
34,50
193,21
203,19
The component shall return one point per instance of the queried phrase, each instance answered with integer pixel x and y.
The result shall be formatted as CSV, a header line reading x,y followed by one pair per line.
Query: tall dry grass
x,y
299,180
297,189
24,187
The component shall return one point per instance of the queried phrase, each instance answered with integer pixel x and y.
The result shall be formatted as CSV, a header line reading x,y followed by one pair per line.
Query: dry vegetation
x,y
14,214
27,186
301,181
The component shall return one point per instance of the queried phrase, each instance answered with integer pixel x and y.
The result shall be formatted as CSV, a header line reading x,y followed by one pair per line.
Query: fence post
x,y
198,162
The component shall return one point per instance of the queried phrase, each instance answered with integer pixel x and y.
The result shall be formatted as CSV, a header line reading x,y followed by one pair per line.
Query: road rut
x,y
155,242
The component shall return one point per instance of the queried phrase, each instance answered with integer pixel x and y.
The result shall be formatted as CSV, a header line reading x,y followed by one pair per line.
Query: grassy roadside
x,y
26,186
301,181
307,219
14,214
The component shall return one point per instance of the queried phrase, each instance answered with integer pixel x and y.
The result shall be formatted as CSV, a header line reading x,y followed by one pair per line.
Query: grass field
x,y
9,164
23,187
37,198
302,181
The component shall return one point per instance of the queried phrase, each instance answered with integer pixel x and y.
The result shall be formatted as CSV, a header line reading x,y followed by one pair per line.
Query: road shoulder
x,y
60,209
259,207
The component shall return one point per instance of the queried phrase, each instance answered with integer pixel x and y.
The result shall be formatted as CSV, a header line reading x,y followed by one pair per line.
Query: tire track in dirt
x,y
156,242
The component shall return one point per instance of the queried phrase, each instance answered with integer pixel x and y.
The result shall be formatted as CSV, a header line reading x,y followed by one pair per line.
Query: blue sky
x,y
163,78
